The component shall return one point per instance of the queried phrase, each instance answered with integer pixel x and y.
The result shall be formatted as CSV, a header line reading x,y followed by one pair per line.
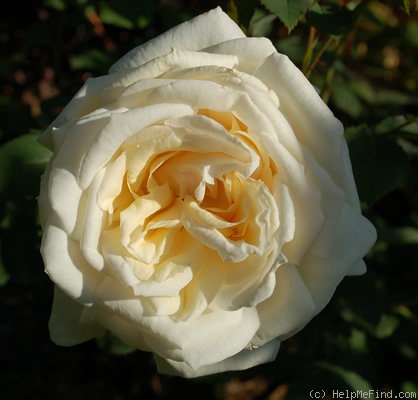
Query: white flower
x,y
200,202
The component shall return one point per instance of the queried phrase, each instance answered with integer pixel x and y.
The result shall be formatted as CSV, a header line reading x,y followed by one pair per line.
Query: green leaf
x,y
351,378
127,14
408,147
386,326
395,123
410,7
405,235
363,89
294,47
393,97
379,163
62,5
261,23
289,11
4,276
92,60
410,387
331,19
113,345
346,100
22,161
57,4
245,10
109,16
358,341
411,33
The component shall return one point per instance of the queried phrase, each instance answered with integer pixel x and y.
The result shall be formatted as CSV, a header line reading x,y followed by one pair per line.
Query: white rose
x,y
200,202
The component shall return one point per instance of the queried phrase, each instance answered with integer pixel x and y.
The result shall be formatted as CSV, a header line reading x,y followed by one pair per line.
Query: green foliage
x,y
26,159
22,161
4,276
261,23
352,379
127,14
92,59
330,18
113,345
289,11
243,10
379,163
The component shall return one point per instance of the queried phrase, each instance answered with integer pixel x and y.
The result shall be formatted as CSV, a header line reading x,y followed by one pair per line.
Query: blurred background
x,y
362,56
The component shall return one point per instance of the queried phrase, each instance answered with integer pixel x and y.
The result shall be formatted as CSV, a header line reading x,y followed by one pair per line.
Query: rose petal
x,y
197,223
66,265
208,278
311,119
288,309
241,361
304,195
119,128
64,323
203,31
358,268
92,225
127,332
112,184
66,200
207,339
119,263
323,269
251,52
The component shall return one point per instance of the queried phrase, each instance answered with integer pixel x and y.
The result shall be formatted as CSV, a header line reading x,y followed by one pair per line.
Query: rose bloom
x,y
200,202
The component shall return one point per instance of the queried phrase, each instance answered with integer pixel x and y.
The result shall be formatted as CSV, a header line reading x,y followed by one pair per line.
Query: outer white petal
x,y
202,31
86,100
65,198
154,70
308,217
358,268
312,121
243,360
64,324
93,225
96,101
352,236
120,127
74,139
66,265
288,310
206,339
284,202
251,52
125,331
112,183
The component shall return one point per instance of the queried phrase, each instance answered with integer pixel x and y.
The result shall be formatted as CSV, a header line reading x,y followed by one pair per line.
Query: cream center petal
x,y
188,173
243,228
146,245
190,206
